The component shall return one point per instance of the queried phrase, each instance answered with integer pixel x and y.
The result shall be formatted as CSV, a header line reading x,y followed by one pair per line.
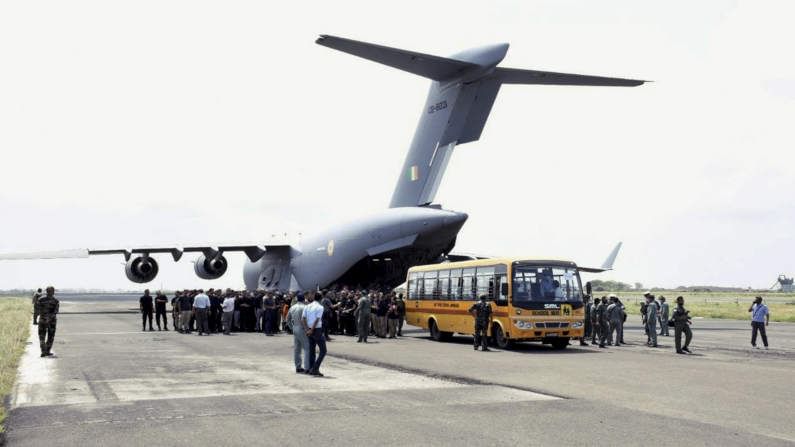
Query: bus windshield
x,y
545,283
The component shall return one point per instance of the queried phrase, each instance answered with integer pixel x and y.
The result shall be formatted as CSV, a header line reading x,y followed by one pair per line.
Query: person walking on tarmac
x,y
681,317
482,313
362,315
47,307
36,297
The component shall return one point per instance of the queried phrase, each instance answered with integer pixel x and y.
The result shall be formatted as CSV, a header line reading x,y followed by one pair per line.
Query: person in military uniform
x,y
594,321
47,308
35,299
482,313
681,317
362,314
665,313
604,323
587,320
615,317
651,321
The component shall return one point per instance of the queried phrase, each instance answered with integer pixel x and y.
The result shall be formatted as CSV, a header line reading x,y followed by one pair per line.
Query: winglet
x,y
607,265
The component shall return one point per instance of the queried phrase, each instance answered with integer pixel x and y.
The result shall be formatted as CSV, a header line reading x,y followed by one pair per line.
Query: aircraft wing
x,y
607,265
254,252
518,76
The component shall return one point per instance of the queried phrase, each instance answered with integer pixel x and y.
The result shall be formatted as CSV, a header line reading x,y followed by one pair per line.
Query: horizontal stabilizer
x,y
426,65
607,265
518,76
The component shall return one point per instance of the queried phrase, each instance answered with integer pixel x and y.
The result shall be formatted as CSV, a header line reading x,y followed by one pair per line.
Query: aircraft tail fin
x,y
457,107
607,265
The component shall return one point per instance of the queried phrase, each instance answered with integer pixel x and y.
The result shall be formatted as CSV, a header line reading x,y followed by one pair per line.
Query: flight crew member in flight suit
x,y
160,309
47,307
603,322
594,321
664,314
482,313
587,320
362,314
651,321
146,305
615,316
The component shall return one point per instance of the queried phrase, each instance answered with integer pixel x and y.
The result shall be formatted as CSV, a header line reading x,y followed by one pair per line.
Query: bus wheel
x,y
560,343
435,333
499,338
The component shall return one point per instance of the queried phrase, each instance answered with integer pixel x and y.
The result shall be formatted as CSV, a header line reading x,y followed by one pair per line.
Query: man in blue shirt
x,y
760,317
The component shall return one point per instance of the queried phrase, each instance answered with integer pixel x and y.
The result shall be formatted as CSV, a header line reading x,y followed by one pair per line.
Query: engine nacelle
x,y
210,268
141,269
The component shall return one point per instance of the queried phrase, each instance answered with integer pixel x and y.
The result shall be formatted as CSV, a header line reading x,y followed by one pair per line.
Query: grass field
x,y
15,317
720,305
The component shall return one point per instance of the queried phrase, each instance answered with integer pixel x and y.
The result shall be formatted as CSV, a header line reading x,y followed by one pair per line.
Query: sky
x,y
175,122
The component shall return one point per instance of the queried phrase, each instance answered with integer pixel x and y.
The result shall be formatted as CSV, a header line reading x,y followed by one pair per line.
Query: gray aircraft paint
x,y
381,246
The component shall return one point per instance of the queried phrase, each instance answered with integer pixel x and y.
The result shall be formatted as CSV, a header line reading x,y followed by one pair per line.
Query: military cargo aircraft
x,y
377,248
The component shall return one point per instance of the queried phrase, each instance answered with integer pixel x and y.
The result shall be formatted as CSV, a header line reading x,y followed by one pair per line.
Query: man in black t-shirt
x,y
146,305
160,310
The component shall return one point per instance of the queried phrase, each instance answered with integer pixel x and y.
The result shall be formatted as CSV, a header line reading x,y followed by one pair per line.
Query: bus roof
x,y
490,261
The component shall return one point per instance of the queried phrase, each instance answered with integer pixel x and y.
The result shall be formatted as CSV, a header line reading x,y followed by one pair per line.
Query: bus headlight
x,y
523,324
577,324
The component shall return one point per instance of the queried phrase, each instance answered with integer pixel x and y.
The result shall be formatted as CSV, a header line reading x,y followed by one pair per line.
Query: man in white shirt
x,y
295,321
313,321
201,305
228,307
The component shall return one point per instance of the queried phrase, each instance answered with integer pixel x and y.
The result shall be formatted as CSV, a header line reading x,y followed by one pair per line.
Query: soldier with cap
x,y
681,317
36,296
362,314
482,313
47,307
615,317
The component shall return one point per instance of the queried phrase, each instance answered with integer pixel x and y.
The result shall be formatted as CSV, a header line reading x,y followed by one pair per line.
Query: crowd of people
x,y
605,318
227,311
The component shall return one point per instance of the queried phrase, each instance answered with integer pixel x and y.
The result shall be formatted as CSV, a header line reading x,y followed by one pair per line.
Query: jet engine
x,y
141,269
210,268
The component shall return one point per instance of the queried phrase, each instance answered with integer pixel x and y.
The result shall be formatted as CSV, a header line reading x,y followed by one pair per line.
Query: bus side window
x,y
468,284
444,285
431,291
413,286
455,284
485,282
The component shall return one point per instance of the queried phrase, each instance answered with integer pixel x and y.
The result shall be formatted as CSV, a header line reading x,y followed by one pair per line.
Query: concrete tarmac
x,y
111,384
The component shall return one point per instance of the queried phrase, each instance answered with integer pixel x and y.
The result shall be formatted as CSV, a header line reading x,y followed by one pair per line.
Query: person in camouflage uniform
x,y
681,317
482,313
47,308
36,297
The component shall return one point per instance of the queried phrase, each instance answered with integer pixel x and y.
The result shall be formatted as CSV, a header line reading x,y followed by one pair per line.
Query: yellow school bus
x,y
531,299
